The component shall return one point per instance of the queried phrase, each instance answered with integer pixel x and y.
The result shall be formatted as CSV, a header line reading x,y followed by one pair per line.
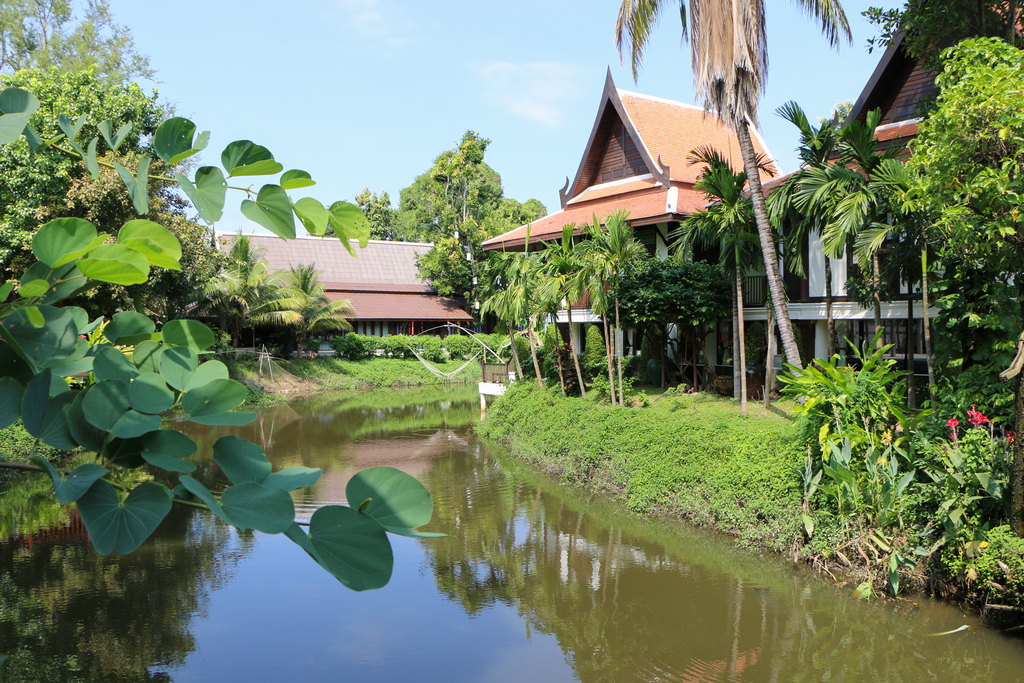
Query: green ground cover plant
x,y
338,373
688,455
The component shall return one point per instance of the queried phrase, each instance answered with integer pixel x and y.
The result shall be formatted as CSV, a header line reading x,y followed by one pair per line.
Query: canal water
x,y
535,583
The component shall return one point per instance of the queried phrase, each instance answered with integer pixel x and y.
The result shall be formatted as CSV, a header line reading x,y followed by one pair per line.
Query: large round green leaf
x,y
213,398
396,498
147,355
43,333
173,141
204,494
352,547
70,488
313,215
47,420
177,364
149,394
273,210
294,477
10,401
87,435
244,157
13,365
110,363
121,526
158,244
115,263
64,239
294,179
190,333
206,373
241,460
128,324
18,101
349,223
133,424
167,449
105,402
207,193
252,506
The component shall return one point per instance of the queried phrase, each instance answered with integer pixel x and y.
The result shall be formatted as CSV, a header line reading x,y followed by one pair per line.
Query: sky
x,y
366,93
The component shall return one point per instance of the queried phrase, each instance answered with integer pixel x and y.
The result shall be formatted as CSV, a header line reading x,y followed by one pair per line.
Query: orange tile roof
x,y
672,130
891,132
378,306
612,189
644,208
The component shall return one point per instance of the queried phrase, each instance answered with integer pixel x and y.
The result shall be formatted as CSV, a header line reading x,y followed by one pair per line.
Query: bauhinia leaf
x,y
273,210
121,526
207,193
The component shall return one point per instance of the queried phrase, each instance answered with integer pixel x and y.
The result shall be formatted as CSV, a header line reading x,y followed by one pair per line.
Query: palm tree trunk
x,y
572,350
735,348
533,352
769,372
618,356
1017,465
911,348
771,259
515,352
877,280
927,322
741,333
608,358
831,321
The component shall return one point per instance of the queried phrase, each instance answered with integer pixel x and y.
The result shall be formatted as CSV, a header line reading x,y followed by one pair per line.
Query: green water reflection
x,y
623,599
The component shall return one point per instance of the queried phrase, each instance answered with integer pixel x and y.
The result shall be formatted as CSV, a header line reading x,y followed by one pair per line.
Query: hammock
x,y
441,374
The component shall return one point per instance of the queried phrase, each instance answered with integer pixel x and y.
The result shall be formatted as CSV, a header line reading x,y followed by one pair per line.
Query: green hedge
x,y
687,456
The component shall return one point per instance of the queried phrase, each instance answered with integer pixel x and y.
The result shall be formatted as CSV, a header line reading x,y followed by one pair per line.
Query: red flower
x,y
1009,436
952,423
975,417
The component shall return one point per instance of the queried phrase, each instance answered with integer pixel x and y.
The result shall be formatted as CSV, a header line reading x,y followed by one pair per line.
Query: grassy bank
x,y
336,373
691,456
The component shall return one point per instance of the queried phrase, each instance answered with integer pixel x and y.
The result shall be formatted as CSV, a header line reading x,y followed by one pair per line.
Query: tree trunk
x,y
830,318
741,333
533,352
876,278
927,323
771,259
1017,469
572,350
735,348
515,352
911,348
608,358
618,355
769,371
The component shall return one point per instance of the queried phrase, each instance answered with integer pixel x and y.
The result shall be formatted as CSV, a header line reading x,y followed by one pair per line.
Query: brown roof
x,y
637,160
389,306
644,208
672,130
380,265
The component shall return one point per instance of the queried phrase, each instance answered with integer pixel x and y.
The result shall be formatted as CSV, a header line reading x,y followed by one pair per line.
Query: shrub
x,y
352,346
459,346
595,360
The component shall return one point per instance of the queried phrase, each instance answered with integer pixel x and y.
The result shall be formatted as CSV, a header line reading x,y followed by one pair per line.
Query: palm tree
x,y
786,204
848,192
608,253
727,223
565,282
247,293
729,55
316,313
512,279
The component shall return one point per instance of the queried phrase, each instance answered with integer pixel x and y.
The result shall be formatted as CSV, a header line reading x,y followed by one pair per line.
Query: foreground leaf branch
x,y
116,387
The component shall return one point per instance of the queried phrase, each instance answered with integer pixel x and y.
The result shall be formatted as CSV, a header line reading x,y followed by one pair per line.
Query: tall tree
x,y
608,253
729,54
382,217
728,223
57,34
315,312
456,205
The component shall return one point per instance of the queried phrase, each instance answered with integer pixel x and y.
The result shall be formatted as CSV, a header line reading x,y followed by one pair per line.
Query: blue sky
x,y
365,93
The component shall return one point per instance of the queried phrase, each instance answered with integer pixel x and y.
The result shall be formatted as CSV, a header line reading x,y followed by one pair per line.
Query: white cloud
x,y
378,20
533,90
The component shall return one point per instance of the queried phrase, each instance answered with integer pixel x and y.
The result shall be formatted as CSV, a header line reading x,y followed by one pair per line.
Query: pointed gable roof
x,y
898,86
637,160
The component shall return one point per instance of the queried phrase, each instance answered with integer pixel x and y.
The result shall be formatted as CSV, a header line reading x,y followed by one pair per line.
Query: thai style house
x,y
381,281
638,160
